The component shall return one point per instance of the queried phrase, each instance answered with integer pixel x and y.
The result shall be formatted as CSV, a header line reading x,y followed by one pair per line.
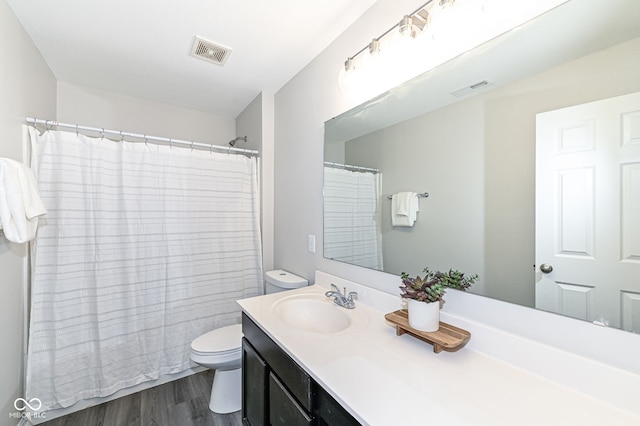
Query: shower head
x,y
240,138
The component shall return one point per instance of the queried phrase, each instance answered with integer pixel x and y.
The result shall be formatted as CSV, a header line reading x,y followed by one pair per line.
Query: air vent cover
x,y
209,51
466,90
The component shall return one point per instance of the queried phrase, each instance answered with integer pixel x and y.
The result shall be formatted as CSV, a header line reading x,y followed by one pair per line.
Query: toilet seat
x,y
222,341
221,350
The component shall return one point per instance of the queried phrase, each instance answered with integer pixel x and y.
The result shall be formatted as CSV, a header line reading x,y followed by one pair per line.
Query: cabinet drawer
x,y
284,410
298,382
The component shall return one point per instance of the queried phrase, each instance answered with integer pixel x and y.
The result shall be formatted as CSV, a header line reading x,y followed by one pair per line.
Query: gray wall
x,y
510,156
28,88
302,106
423,155
256,122
104,109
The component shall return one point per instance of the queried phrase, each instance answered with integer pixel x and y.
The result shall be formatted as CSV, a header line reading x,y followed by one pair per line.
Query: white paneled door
x,y
588,211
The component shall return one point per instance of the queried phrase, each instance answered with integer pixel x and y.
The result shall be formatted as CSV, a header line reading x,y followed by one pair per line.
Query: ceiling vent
x,y
466,90
209,51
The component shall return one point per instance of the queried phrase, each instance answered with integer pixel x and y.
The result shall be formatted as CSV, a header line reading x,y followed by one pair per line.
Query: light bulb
x,y
347,78
406,27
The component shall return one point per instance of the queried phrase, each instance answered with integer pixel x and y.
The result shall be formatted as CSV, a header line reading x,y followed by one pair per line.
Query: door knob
x,y
546,268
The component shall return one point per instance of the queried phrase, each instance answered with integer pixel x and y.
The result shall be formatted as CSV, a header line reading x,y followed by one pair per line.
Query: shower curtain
x,y
352,217
144,248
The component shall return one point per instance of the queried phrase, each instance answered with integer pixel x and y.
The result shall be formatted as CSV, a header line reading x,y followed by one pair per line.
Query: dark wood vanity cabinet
x,y
277,391
254,386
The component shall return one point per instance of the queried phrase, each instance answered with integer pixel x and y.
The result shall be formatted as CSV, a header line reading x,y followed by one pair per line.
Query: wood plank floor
x,y
184,402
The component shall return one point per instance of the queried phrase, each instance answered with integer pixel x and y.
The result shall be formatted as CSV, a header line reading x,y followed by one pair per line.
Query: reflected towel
x,y
404,208
20,204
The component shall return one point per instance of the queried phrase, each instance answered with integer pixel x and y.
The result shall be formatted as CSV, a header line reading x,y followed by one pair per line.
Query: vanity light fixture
x,y
432,34
374,47
410,25
402,34
348,65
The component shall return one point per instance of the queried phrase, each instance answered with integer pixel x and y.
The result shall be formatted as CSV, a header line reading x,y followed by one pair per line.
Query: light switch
x,y
312,243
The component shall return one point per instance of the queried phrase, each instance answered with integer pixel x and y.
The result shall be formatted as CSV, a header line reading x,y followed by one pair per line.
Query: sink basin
x,y
315,313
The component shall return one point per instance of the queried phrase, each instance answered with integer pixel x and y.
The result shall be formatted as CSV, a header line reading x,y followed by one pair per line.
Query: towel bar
x,y
422,194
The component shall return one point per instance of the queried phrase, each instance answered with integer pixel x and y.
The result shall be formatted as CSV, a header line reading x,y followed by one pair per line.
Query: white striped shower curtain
x,y
352,217
143,249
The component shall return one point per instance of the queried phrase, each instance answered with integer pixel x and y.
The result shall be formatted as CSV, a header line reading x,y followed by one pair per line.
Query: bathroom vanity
x,y
277,391
307,361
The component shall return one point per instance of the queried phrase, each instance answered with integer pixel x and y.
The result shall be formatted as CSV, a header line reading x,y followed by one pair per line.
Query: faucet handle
x,y
353,295
335,288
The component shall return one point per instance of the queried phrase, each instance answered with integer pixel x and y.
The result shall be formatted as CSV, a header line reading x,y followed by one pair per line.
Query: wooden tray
x,y
447,338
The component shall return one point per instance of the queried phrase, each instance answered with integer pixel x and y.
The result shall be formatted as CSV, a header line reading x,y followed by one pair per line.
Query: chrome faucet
x,y
344,300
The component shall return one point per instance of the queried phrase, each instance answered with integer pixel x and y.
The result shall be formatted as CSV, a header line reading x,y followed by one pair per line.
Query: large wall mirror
x,y
474,153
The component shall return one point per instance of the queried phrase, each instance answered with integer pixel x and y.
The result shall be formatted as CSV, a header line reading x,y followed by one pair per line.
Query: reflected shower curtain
x,y
352,217
143,249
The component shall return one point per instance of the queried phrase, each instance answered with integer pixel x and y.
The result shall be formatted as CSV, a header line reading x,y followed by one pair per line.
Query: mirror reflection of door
x,y
588,211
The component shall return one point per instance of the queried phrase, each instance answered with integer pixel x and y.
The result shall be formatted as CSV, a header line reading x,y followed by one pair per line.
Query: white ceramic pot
x,y
424,316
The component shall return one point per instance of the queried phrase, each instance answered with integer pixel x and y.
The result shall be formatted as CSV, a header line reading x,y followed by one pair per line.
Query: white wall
x,y
99,108
302,106
27,88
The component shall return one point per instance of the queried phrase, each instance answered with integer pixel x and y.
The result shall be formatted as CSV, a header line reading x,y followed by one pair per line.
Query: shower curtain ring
x,y
47,125
121,136
102,134
191,146
145,141
211,149
170,143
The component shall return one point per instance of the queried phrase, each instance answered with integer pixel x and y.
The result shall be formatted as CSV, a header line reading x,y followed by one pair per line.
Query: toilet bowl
x,y
221,350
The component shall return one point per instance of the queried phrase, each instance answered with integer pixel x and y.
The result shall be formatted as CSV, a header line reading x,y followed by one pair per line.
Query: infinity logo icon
x,y
24,404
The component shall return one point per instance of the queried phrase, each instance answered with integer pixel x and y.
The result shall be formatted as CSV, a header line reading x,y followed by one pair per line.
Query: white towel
x,y
20,204
404,208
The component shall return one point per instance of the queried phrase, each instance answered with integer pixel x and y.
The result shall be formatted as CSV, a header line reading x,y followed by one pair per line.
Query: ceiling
x,y
142,48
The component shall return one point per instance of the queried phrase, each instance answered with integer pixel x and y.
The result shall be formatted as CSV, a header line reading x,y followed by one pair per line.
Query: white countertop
x,y
384,379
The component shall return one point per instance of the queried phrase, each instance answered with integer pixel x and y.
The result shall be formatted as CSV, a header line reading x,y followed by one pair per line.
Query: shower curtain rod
x,y
349,167
146,138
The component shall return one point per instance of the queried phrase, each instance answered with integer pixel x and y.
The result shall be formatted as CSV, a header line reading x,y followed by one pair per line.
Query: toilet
x,y
221,350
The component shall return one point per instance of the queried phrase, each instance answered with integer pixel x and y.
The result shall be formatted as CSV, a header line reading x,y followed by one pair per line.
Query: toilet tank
x,y
280,280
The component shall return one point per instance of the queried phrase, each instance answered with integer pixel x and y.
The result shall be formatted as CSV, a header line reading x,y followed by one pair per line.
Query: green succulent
x,y
434,284
456,279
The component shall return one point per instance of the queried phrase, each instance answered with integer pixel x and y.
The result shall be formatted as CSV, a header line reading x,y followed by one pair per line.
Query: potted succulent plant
x,y
424,295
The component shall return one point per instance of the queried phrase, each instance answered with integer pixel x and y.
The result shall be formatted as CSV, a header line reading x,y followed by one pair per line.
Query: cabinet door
x,y
254,386
330,413
284,410
288,371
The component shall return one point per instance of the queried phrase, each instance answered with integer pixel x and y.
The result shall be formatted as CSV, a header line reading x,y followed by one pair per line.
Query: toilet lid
x,y
224,339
